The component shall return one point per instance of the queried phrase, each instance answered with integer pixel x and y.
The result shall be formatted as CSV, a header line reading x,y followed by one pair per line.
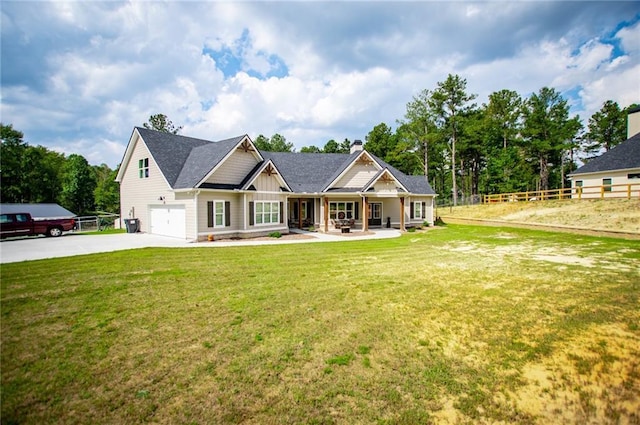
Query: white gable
x,y
235,167
358,173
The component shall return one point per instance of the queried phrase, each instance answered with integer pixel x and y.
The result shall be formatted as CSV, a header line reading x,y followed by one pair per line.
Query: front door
x,y
375,214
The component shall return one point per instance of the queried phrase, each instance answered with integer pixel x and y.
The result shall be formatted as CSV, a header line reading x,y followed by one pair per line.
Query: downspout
x,y
244,210
365,214
402,229
326,214
196,212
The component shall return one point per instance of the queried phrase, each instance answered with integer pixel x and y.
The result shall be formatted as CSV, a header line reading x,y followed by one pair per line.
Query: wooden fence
x,y
612,191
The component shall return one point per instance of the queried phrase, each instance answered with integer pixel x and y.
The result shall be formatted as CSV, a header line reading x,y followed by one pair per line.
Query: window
x,y
417,209
578,183
266,212
607,185
6,218
22,218
343,210
218,214
633,176
143,168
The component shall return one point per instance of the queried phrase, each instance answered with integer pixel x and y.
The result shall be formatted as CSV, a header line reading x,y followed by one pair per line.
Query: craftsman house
x,y
614,174
195,189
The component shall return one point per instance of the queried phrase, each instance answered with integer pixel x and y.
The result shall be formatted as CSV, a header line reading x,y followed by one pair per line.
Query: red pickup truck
x,y
22,224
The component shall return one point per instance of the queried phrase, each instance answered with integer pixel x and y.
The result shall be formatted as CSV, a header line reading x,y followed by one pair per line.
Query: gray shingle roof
x,y
414,184
37,210
170,151
624,156
308,172
202,160
185,161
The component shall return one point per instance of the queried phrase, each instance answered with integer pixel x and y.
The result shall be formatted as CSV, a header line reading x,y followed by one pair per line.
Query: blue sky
x,y
76,76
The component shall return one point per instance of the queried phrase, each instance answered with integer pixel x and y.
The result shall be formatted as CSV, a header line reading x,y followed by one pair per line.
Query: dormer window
x,y
143,168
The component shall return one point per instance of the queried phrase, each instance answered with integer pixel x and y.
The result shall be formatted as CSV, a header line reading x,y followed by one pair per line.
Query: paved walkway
x,y
71,244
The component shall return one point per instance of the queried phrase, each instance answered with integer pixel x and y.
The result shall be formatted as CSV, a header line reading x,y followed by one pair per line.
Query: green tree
x,y
345,146
78,185
547,130
607,128
42,174
420,125
504,113
160,122
331,147
381,141
472,149
450,102
12,150
107,191
277,143
404,156
506,170
310,149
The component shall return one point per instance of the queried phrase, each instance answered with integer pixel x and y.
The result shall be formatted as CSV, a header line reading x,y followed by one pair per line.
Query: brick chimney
x,y
356,146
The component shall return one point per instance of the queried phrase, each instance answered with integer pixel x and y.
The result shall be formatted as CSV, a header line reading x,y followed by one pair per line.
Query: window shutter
x,y
210,214
251,214
424,207
227,214
357,210
411,210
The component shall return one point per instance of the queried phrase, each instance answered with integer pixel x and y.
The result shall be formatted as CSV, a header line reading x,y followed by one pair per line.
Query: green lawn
x,y
459,324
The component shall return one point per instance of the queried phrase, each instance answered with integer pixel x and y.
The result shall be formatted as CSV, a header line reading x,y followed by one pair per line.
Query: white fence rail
x,y
94,223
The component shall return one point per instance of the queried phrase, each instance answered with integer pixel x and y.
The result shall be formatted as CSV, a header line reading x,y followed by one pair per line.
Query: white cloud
x,y
351,65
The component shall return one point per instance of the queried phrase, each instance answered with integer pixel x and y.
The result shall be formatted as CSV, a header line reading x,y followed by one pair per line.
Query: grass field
x,y
459,324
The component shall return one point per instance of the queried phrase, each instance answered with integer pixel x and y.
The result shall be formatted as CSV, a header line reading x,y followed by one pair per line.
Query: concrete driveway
x,y
70,244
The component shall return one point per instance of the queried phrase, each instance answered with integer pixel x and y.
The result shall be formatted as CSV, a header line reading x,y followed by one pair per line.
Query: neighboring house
x,y
192,188
615,173
37,211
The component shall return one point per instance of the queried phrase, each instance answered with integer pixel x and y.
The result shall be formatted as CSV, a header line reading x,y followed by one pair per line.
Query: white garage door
x,y
168,220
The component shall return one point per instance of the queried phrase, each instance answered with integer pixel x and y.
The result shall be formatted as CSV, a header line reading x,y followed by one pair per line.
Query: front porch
x,y
341,213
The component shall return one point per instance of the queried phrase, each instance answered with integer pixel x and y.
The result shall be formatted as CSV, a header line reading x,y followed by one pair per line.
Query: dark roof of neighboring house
x,y
37,210
185,161
621,157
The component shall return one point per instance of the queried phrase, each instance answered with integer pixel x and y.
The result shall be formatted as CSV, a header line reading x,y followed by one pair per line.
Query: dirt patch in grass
x,y
594,376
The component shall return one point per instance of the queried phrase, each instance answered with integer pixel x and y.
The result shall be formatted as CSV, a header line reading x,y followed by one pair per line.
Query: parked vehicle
x,y
22,224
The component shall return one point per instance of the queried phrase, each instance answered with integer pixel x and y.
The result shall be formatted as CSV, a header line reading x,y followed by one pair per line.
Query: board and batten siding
x,y
235,168
357,176
385,188
136,194
266,183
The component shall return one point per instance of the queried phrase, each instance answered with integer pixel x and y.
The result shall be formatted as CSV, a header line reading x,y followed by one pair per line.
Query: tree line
x,y
35,174
509,144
